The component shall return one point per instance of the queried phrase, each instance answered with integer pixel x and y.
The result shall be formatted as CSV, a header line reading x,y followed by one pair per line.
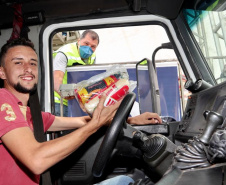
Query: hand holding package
x,y
114,83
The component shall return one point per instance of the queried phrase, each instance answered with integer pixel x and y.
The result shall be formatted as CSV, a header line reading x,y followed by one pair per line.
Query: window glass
x,y
123,44
129,45
209,30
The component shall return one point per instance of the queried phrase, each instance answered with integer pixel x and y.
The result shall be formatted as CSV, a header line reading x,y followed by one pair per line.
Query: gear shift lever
x,y
194,153
213,119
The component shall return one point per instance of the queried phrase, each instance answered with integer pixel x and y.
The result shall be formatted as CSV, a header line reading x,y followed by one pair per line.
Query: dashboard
x,y
193,121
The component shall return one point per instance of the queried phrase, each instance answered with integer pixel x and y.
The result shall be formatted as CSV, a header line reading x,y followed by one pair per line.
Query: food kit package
x,y
114,83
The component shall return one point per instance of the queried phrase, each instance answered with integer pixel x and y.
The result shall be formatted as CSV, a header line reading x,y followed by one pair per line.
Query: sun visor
x,y
166,8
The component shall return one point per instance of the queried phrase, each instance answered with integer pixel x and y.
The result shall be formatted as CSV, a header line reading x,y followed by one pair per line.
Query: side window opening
x,y
127,46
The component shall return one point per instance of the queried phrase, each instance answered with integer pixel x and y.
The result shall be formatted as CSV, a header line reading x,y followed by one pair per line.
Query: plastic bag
x,y
114,82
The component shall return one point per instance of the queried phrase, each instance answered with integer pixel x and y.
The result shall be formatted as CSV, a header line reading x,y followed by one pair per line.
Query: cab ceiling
x,y
57,8
53,9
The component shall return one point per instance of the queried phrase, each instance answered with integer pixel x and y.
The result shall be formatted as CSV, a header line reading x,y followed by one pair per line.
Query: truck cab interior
x,y
174,50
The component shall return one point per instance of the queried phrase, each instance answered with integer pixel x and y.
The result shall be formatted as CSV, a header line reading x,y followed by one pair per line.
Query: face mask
x,y
85,51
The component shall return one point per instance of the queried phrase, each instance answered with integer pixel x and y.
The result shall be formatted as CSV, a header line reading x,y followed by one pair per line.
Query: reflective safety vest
x,y
73,57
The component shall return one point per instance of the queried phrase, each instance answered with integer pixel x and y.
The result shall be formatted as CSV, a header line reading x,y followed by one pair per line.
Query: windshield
x,y
209,30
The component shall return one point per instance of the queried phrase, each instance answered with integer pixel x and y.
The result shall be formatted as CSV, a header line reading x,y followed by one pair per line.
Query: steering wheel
x,y
112,134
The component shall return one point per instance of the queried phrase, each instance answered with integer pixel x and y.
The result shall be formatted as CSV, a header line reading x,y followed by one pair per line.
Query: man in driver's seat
x,y
23,159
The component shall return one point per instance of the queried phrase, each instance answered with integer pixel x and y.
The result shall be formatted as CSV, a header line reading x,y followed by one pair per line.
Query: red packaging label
x,y
117,95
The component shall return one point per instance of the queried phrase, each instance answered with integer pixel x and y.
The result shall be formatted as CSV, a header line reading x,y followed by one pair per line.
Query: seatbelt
x,y
38,130
17,21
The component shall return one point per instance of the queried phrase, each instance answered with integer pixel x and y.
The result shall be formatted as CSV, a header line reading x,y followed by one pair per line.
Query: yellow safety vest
x,y
73,57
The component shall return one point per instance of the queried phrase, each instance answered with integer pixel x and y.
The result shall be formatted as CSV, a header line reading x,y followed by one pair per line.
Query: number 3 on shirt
x,y
9,111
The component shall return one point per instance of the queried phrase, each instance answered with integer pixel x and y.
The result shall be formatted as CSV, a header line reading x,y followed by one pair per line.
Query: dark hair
x,y
92,33
13,43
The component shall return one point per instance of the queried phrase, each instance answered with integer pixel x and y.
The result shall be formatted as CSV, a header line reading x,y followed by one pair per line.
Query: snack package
x,y
114,82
